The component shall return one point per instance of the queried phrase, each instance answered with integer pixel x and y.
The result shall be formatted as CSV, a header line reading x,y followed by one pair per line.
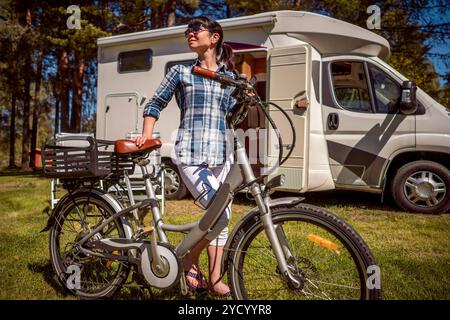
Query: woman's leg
x,y
215,254
196,179
192,268
215,249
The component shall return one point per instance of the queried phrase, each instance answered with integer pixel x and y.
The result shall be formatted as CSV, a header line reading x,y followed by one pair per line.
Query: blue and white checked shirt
x,y
204,103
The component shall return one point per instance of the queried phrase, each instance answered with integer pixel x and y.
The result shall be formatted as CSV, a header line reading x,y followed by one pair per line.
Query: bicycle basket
x,y
121,164
75,157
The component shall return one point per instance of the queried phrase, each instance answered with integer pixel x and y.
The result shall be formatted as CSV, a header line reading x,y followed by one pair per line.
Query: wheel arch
x,y
399,160
182,190
164,159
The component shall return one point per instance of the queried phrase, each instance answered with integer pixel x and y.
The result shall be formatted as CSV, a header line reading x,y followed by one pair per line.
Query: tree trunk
x,y
157,17
57,113
170,9
64,93
12,133
26,114
37,107
77,95
228,11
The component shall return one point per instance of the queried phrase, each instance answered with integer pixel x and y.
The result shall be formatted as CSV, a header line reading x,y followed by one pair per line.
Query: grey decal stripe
x,y
374,139
355,159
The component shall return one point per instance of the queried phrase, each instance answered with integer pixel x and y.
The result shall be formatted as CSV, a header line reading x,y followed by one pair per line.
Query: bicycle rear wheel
x,y
86,276
328,258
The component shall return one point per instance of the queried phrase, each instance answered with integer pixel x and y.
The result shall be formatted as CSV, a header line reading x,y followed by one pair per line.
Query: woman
x,y
203,152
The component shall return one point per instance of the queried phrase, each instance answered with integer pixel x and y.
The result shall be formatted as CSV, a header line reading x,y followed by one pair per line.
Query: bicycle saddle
x,y
125,146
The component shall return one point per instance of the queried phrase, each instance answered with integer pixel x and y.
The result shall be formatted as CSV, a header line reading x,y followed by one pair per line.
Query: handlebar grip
x,y
241,84
204,72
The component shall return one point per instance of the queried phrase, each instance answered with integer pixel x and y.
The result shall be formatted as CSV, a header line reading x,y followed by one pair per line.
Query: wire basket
x,y
82,157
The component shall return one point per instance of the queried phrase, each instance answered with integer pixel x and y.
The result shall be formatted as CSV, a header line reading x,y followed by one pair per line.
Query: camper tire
x,y
174,186
422,186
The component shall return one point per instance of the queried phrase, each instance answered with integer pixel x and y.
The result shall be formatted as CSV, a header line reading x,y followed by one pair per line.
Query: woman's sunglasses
x,y
196,28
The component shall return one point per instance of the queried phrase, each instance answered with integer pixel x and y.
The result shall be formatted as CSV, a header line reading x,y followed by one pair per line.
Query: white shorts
x,y
200,178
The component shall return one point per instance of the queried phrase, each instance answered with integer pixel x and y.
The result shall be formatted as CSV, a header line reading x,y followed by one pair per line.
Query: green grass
x,y
411,249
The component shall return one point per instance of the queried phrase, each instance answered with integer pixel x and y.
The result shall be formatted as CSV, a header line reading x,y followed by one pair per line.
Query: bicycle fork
x,y
275,234
278,241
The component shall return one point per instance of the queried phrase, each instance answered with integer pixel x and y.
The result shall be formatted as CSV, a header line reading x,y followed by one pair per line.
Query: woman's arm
x,y
147,132
158,102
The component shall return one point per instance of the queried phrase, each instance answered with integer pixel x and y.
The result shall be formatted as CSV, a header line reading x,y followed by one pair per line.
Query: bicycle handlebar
x,y
241,84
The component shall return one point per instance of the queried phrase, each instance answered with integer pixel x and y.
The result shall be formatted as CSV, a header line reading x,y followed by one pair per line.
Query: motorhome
x,y
359,123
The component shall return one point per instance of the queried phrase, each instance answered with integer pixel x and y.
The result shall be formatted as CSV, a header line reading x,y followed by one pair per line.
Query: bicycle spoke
x,y
98,275
327,272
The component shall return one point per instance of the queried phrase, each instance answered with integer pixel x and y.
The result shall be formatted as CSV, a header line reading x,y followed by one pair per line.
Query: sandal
x,y
222,295
197,276
214,293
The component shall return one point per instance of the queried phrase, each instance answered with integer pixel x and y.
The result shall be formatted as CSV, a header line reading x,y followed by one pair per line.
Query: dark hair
x,y
224,51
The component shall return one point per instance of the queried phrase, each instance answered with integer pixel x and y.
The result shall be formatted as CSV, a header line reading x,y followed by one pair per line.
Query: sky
x,y
442,66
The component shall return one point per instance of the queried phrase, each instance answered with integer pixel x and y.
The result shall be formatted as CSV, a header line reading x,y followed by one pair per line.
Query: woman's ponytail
x,y
226,56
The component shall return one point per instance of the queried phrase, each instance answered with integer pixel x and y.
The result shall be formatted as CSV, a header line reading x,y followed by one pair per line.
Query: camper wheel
x,y
422,186
174,186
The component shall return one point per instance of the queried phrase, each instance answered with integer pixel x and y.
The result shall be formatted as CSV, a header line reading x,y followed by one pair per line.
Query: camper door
x,y
288,87
121,115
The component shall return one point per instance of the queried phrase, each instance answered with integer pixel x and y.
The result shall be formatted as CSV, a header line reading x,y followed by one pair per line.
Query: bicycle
x,y
281,249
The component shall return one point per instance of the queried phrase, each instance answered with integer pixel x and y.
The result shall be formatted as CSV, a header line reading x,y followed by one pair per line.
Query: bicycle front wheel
x,y
324,254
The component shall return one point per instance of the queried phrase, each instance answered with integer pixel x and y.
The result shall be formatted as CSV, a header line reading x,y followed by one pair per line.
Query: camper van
x,y
359,123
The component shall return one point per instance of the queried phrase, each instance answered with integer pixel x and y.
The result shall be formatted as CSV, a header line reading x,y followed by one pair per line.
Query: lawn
x,y
411,249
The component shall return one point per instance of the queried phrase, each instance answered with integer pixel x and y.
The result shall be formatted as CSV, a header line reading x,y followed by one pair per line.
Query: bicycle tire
x,y
241,273
60,267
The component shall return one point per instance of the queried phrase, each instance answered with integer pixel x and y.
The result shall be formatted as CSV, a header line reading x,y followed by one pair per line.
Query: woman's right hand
x,y
147,132
140,140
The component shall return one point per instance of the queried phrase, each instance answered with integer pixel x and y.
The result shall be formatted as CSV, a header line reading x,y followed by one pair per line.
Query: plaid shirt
x,y
204,103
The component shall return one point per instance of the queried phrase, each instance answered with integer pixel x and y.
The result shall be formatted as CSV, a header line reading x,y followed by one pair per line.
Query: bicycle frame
x,y
240,172
160,263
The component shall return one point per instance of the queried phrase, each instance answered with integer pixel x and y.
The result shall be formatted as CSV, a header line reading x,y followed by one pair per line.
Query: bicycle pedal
x,y
144,232
148,229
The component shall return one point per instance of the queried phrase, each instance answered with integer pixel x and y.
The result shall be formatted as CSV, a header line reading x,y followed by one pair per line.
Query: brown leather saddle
x,y
128,147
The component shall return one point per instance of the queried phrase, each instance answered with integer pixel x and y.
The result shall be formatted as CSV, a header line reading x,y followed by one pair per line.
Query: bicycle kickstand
x,y
183,285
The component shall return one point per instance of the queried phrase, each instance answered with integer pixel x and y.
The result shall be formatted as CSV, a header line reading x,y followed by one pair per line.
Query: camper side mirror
x,y
408,102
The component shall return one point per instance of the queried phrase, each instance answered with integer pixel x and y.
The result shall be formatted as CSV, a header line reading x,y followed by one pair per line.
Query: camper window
x,y
133,61
350,86
387,91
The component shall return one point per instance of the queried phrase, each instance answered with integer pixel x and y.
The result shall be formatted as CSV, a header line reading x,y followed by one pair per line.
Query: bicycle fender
x,y
107,197
55,211
249,217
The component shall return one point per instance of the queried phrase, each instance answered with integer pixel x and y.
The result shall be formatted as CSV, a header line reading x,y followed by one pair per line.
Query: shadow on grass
x,y
21,172
140,290
330,198
358,199
46,270
333,198
134,289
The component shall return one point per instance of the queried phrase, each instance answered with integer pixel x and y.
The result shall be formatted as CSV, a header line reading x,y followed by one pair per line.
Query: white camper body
x,y
350,134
